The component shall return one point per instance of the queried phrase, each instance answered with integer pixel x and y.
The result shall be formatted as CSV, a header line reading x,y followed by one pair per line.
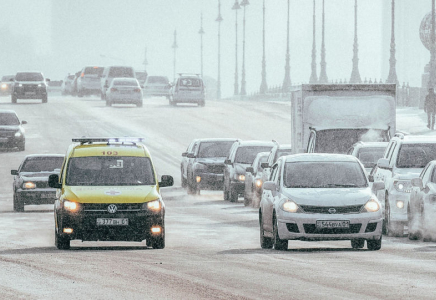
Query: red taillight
x,y
113,90
82,75
137,90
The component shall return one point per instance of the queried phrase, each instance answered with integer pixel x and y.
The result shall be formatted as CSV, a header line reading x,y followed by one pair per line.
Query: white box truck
x,y
330,118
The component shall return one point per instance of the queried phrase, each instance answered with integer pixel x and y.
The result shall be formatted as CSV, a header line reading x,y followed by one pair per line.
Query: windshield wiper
x,y
338,185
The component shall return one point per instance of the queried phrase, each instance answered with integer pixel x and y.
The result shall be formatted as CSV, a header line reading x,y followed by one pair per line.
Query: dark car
x,y
241,156
31,180
11,131
29,85
205,165
6,85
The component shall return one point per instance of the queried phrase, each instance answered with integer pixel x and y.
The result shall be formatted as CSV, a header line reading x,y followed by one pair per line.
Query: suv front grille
x,y
217,169
352,209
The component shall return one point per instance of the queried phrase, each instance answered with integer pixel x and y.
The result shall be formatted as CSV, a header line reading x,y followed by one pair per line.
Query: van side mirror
x,y
23,122
47,79
53,181
379,185
184,154
166,180
371,178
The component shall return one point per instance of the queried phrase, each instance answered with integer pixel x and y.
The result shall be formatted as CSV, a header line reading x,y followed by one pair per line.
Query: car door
x,y
427,192
267,202
191,159
185,159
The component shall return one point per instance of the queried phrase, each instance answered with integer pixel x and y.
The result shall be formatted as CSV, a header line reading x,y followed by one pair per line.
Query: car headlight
x,y
39,85
4,86
18,134
371,206
290,206
258,183
404,186
71,206
241,177
29,185
154,205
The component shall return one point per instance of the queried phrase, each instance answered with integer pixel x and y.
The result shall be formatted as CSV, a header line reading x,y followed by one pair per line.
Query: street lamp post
x,y
313,76
263,85
355,75
287,80
431,82
392,77
201,32
219,19
244,3
235,7
174,46
323,75
145,62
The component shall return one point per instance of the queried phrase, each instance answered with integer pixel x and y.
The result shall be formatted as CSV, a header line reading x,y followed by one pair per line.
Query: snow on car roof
x,y
256,143
308,157
418,138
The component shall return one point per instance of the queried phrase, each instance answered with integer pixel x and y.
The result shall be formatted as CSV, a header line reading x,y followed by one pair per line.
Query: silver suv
x,y
404,158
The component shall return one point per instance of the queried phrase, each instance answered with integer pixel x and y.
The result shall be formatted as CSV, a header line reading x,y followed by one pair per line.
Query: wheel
x,y
18,206
22,147
201,103
192,186
102,97
247,200
411,225
171,101
184,182
226,192
139,104
159,241
61,242
233,195
44,99
265,242
108,103
374,244
357,243
80,94
394,229
279,244
13,99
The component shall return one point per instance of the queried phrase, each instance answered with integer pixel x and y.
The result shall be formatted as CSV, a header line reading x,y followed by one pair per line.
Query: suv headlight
x,y
154,205
290,206
18,133
371,206
241,177
258,183
71,206
404,186
29,185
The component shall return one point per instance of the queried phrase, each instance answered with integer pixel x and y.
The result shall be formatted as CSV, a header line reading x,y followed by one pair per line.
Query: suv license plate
x,y
333,224
118,221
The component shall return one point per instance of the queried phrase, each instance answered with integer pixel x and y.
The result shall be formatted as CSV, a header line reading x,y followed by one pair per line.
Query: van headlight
x,y
71,206
371,206
154,205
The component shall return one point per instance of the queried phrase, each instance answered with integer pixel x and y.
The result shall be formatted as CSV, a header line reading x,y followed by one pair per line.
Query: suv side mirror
x,y
184,154
53,181
166,180
269,186
23,122
417,182
264,165
190,155
371,178
14,172
249,170
227,162
383,163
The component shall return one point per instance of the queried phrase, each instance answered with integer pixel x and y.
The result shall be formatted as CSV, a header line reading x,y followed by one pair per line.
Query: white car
x,y
124,91
319,197
253,180
157,86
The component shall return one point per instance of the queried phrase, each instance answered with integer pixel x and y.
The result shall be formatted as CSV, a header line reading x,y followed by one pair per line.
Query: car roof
x,y
320,157
285,146
44,155
412,139
96,149
371,144
124,79
7,111
256,143
216,140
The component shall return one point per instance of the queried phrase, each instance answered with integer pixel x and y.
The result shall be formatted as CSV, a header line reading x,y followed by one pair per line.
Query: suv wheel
x,y
233,195
226,192
18,206
22,147
184,183
247,199
13,99
44,99
413,232
171,101
102,97
108,103
80,94
61,242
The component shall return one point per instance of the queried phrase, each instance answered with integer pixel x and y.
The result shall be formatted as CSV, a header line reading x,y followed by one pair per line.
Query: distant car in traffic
x,y
242,155
6,85
31,180
277,151
253,179
188,89
124,91
157,86
29,85
421,211
66,88
112,72
11,131
319,197
205,164
88,82
368,153
141,76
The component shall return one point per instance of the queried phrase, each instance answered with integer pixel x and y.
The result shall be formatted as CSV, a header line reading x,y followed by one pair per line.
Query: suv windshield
x,y
93,70
246,155
42,164
416,155
370,156
157,79
110,171
324,175
29,77
121,72
214,149
9,119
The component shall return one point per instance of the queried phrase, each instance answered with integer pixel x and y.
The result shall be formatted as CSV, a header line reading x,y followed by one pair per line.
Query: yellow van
x,y
108,190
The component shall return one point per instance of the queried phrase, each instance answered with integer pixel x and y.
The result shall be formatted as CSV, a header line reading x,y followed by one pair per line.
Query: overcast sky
x,y
63,36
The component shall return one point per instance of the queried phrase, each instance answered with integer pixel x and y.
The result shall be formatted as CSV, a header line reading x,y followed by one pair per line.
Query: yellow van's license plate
x,y
333,224
118,221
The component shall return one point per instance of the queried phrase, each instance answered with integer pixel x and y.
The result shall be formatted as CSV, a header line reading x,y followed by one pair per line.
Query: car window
x,y
214,149
415,155
125,83
370,155
190,82
107,171
9,119
324,175
93,70
247,154
41,164
29,77
121,72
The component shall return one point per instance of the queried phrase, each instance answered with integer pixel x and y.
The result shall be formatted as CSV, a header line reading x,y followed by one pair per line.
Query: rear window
x,y
42,164
246,155
29,77
157,79
121,72
93,71
190,82
369,156
126,82
9,119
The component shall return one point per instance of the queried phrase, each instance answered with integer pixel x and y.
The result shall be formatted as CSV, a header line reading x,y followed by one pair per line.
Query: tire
x,y
18,206
247,200
61,242
233,195
80,94
357,243
393,229
201,103
226,192
411,221
108,103
102,97
279,244
374,245
159,241
184,181
265,242
13,99
171,101
22,147
192,186
45,99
